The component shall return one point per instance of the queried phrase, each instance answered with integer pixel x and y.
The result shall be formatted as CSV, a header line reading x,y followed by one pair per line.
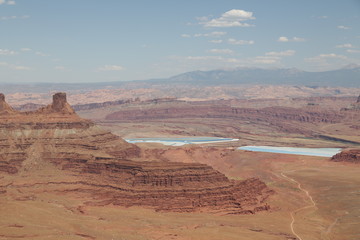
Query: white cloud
x,y
211,62
217,59
294,39
329,61
343,27
323,17
7,52
297,39
207,62
238,14
352,51
281,54
10,2
14,67
240,42
42,54
221,51
216,41
345,45
111,68
322,58
283,39
8,17
232,18
5,18
271,57
212,34
216,62
25,49
332,55
185,35
266,60
202,19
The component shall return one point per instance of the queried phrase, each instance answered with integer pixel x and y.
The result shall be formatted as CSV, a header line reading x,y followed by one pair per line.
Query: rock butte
x,y
107,170
348,155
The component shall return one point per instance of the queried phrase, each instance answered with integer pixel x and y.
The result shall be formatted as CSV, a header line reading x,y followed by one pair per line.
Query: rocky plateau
x,y
107,170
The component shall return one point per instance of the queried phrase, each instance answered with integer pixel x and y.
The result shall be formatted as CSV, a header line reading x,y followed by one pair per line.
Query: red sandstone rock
x,y
269,114
59,105
4,107
100,165
351,155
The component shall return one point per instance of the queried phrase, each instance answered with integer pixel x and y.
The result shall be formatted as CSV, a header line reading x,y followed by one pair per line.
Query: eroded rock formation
x,y
350,155
107,170
4,107
268,114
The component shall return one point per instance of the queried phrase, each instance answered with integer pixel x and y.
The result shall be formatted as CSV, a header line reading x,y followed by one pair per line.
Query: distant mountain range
x,y
348,76
345,77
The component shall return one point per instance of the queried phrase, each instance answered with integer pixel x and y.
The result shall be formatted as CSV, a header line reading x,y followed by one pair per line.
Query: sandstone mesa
x,y
108,170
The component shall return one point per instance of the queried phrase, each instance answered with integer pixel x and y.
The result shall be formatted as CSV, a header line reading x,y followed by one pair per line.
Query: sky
x,y
121,40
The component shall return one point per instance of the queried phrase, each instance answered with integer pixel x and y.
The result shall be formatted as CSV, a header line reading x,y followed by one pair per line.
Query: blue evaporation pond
x,y
319,152
180,141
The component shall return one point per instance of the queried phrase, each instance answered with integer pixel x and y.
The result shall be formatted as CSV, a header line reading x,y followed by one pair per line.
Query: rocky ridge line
x,y
223,111
105,169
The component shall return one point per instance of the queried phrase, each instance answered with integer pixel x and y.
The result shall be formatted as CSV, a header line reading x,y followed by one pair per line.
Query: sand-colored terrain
x,y
32,213
59,198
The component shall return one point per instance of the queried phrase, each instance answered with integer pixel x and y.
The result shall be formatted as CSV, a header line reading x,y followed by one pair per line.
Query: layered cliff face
x,y
350,155
269,114
100,166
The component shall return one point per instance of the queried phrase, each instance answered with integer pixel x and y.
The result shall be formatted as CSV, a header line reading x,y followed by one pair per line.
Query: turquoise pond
x,y
319,152
181,141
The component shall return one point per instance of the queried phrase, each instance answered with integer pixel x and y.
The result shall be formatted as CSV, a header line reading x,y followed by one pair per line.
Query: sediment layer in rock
x,y
268,114
109,170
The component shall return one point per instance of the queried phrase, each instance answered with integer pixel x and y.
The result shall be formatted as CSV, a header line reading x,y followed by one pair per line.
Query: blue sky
x,y
118,40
